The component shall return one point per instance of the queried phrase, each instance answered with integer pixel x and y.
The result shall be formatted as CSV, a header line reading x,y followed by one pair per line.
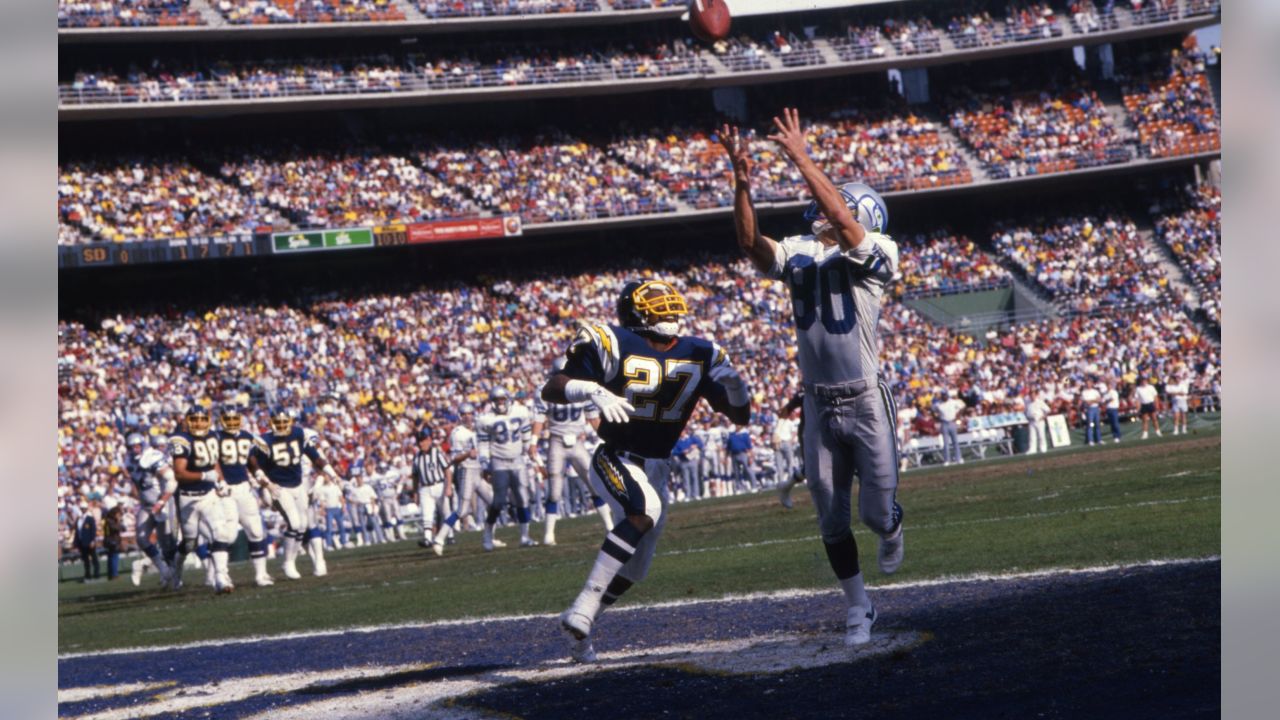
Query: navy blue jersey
x,y
201,454
280,456
233,450
662,385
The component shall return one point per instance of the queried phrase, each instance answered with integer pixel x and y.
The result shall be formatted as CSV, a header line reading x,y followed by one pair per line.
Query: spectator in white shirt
x,y
1092,400
1148,406
1037,411
1112,399
948,411
1177,392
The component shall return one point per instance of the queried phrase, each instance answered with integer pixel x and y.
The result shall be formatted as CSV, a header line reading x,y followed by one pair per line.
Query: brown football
x,y
709,19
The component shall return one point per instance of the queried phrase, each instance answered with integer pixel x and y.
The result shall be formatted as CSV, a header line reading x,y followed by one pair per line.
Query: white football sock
x,y
855,593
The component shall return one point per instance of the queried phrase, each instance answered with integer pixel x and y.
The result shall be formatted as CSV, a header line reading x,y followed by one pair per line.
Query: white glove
x,y
222,488
612,408
734,386
209,476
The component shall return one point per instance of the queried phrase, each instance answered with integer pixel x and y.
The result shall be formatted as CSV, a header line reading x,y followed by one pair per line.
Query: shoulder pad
x,y
179,443
600,340
718,356
260,443
152,459
310,438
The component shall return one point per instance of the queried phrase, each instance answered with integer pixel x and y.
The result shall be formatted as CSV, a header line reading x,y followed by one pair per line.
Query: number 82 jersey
x,y
662,385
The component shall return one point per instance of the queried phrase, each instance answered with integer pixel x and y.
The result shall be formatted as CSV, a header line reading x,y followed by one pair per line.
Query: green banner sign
x,y
306,240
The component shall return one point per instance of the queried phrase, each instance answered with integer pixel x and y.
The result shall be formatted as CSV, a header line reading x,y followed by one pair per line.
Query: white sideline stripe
x,y
959,523
94,692
732,598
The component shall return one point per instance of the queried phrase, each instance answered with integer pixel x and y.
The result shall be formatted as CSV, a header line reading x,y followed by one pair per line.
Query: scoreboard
x,y
109,254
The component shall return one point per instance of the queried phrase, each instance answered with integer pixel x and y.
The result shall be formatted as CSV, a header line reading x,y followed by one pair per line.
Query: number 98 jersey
x,y
201,454
662,385
280,456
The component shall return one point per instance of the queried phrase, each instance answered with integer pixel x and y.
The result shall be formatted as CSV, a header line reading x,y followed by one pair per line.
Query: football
x,y
709,19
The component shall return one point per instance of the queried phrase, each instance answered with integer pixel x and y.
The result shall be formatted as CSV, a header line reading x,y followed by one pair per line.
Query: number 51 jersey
x,y
280,456
662,385
835,299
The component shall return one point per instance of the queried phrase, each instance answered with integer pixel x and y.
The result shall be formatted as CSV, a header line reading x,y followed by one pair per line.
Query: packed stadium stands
x,y
1086,262
1172,106
126,13
943,262
308,11
1194,236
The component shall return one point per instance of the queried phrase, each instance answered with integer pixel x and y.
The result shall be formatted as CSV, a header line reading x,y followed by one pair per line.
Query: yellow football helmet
x,y
282,421
231,418
651,307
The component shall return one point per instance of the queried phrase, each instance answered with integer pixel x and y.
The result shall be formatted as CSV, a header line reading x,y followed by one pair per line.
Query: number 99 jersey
x,y
234,449
662,385
280,456
835,299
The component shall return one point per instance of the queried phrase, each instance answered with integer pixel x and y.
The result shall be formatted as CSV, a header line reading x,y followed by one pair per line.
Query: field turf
x,y
1139,500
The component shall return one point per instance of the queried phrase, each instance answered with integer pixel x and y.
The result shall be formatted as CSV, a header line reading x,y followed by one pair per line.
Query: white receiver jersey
x,y
462,440
503,438
144,471
565,422
835,300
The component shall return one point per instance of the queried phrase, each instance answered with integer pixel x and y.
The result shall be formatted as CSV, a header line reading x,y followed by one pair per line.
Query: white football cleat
x,y
291,571
322,568
437,548
858,630
577,626
891,552
498,543
136,573
264,581
528,542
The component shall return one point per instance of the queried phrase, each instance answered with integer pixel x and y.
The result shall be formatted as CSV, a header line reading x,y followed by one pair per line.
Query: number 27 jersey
x,y
662,385
835,300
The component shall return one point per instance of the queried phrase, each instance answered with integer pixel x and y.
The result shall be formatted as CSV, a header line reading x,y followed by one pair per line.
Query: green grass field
x,y
1081,507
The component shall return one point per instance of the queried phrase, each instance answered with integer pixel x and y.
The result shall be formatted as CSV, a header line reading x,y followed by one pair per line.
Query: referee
x,y
430,482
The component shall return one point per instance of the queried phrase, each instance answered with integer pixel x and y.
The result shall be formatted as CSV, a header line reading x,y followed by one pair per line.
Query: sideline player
x,y
147,466
201,490
837,276
645,379
276,463
244,503
566,426
505,441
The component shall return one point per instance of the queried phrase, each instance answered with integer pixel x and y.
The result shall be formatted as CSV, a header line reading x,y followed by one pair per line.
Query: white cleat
x,y
577,627
322,568
136,573
498,543
437,548
891,552
528,542
549,540
291,571
784,496
264,581
858,630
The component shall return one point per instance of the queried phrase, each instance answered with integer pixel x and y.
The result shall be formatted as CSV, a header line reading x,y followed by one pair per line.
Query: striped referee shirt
x,y
429,467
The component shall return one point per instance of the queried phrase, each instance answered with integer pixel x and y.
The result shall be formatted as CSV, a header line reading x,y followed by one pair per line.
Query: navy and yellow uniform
x,y
280,456
233,452
202,454
662,385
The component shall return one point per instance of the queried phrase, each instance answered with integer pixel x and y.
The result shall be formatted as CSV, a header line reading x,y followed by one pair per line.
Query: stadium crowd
x,y
246,12
943,262
126,13
368,369
1045,132
153,199
414,72
490,8
1086,262
1194,235
1172,105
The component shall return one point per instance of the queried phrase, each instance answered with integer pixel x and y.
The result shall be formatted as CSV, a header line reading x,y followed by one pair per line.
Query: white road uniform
x,y
505,439
567,428
849,412
467,476
146,472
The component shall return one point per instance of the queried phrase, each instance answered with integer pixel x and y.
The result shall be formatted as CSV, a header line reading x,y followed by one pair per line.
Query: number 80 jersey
x,y
835,299
662,386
